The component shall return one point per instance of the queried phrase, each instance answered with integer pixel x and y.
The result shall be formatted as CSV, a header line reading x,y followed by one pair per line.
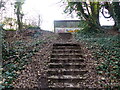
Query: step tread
x,y
66,50
66,54
66,64
66,61
66,70
65,44
67,58
57,54
74,72
66,77
67,47
62,85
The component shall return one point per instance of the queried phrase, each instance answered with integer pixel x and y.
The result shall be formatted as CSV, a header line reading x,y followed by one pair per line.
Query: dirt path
x,y
34,75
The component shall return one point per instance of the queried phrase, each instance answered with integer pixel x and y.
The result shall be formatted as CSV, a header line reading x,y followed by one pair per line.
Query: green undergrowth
x,y
106,49
15,56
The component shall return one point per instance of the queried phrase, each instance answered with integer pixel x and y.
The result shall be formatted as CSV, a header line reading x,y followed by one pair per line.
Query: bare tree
x,y
18,11
39,20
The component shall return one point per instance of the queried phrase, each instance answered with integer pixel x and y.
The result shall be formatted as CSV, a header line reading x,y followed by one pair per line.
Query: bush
x,y
33,27
10,29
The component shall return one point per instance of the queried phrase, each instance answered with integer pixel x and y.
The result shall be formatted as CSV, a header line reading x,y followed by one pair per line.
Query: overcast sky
x,y
49,10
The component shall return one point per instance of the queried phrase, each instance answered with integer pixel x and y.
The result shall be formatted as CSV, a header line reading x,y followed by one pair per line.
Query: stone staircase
x,y
66,68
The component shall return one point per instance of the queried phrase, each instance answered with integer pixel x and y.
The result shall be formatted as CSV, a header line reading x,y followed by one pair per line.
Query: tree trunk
x,y
19,16
116,8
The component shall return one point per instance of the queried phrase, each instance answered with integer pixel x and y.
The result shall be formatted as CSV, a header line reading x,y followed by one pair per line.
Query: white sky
x,y
49,10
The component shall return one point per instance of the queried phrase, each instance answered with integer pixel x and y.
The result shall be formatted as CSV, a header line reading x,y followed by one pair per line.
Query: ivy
x,y
15,56
107,48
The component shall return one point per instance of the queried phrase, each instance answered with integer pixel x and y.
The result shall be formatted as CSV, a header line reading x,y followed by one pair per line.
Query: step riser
x,y
70,47
74,48
74,52
65,80
66,61
66,88
66,84
66,56
67,66
65,45
66,73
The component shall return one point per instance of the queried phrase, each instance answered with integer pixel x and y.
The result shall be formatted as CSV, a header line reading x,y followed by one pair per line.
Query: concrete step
x,y
66,65
66,56
66,51
66,68
63,79
66,48
65,44
70,47
66,72
67,77
66,60
67,88
66,85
